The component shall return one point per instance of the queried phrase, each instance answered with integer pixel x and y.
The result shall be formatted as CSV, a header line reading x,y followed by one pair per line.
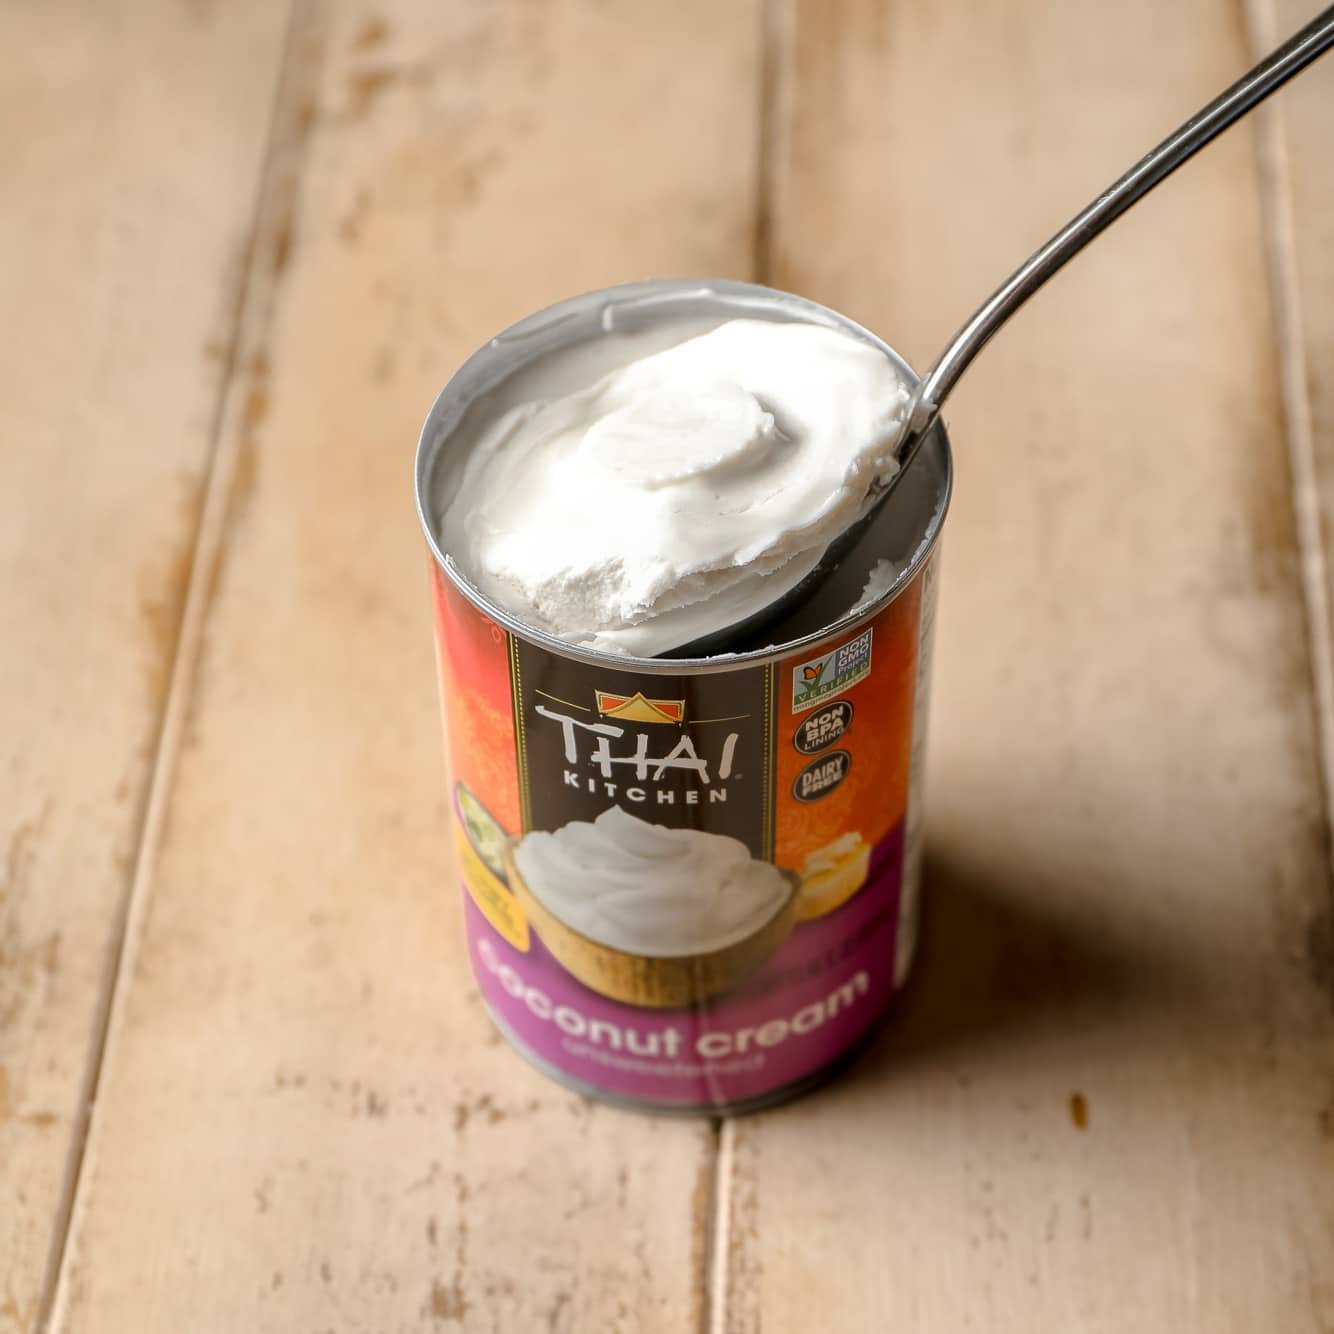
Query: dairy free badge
x,y
831,672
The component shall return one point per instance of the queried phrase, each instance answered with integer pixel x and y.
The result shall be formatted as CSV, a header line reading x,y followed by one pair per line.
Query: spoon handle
x,y
1271,73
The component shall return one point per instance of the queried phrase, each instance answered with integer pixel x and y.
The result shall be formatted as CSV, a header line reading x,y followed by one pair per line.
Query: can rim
x,y
457,395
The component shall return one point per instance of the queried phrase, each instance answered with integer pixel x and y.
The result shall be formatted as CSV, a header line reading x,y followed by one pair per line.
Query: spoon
x,y
932,390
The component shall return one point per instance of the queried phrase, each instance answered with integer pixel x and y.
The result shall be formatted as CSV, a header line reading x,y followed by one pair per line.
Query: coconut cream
x,y
679,493
650,890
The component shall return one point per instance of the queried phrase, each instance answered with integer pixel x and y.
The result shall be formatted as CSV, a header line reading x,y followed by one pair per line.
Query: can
x,y
797,765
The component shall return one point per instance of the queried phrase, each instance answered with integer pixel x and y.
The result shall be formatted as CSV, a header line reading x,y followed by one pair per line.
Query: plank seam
x,y
771,45
716,1313
1275,173
219,473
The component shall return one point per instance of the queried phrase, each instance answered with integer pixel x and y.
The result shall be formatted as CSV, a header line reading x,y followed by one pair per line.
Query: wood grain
x,y
1107,1100
131,153
305,1119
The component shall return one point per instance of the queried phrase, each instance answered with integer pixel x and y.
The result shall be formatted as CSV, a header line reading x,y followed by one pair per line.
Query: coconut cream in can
x,y
689,883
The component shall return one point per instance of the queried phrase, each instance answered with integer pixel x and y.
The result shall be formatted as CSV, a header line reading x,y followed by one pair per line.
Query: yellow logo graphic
x,y
637,709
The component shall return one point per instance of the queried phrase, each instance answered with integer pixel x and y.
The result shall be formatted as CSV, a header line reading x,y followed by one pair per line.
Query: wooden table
x,y
245,1084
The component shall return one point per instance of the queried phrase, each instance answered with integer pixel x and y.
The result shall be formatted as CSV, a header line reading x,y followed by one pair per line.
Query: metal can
x,y
808,752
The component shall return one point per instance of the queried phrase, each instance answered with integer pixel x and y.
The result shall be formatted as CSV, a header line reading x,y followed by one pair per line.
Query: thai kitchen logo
x,y
612,750
831,672
681,751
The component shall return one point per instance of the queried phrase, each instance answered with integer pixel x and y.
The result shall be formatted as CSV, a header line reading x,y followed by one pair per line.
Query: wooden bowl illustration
x,y
654,981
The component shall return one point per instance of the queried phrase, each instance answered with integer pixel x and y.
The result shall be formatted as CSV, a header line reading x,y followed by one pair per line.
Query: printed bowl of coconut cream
x,y
689,883
649,914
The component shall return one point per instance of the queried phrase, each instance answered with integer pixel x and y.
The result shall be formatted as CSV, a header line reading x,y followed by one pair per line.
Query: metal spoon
x,y
934,387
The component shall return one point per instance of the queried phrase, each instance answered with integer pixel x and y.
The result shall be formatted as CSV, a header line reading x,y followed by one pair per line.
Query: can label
x,y
805,765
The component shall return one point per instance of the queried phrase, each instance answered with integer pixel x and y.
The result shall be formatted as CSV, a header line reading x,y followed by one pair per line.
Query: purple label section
x,y
820,992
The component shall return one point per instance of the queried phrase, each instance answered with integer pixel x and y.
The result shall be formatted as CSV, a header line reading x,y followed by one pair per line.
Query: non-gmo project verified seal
x,y
831,673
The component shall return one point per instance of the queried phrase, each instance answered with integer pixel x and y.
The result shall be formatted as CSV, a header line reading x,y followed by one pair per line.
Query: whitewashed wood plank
x,y
131,149
304,1111
1106,1102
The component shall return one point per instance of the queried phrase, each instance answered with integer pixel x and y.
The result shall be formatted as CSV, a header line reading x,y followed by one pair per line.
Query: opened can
x,y
794,769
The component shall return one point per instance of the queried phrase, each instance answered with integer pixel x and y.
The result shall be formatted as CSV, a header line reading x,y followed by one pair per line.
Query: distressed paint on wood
x,y
132,154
